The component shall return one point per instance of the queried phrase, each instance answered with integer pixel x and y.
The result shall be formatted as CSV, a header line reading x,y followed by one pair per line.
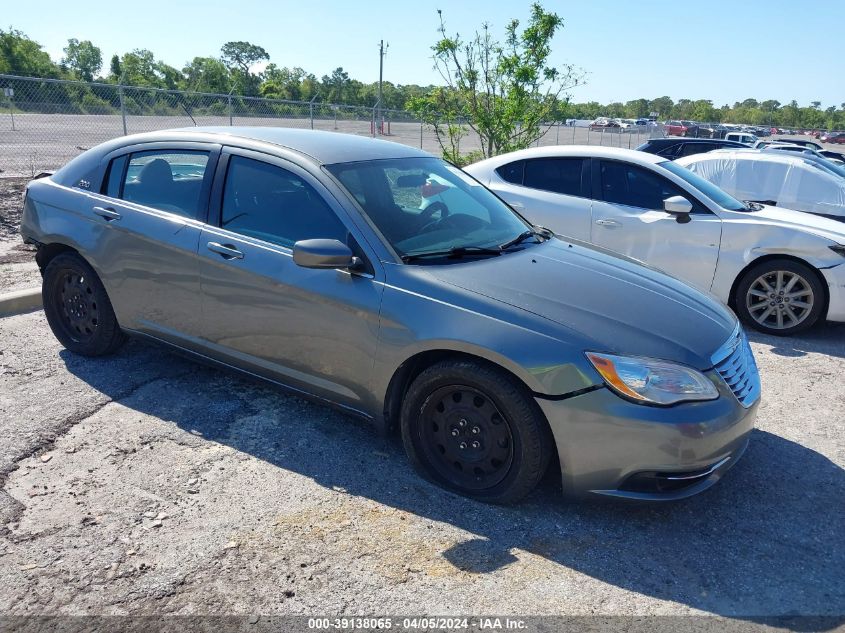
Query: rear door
x,y
628,217
552,192
152,206
315,330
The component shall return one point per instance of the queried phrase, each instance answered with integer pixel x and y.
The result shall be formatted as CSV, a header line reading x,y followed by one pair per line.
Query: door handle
x,y
227,251
606,222
107,213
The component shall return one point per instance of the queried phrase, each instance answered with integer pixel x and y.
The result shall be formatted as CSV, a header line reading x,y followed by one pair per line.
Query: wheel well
x,y
46,252
767,258
413,367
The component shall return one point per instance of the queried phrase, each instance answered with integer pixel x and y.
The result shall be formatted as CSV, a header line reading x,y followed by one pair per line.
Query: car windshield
x,y
425,205
723,199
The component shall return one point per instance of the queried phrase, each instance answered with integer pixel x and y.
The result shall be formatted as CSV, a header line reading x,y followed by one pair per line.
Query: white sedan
x,y
781,270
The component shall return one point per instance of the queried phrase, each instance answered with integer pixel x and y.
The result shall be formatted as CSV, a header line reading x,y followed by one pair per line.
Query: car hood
x,y
613,304
833,230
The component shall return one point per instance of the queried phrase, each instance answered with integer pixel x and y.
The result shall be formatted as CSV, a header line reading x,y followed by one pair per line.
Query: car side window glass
x,y
168,180
114,178
275,205
635,187
696,148
512,172
560,175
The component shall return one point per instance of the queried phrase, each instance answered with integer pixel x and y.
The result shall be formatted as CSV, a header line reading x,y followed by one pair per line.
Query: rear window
x,y
559,175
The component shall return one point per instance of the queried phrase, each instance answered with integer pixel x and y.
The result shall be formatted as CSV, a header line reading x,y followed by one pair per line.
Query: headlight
x,y
839,249
652,381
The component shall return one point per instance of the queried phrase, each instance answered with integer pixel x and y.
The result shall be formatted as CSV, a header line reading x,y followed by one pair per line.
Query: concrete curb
x,y
20,301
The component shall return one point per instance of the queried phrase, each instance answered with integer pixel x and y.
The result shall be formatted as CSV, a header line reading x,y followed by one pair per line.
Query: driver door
x,y
315,330
628,217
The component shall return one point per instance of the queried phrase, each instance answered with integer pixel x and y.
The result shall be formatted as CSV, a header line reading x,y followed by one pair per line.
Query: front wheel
x,y
780,297
472,428
77,307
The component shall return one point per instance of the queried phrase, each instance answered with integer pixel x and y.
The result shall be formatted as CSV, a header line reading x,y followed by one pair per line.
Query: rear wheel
x,y
780,297
77,307
472,428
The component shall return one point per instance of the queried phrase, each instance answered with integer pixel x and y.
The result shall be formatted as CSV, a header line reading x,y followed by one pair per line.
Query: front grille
x,y
736,365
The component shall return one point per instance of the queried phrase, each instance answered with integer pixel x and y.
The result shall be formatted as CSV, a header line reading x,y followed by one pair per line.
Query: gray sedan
x,y
382,280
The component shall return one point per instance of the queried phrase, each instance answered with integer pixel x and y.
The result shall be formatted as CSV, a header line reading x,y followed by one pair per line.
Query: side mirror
x,y
324,254
678,206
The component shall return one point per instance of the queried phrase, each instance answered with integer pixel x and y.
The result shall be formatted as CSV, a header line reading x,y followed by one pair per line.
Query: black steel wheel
x,y
472,428
468,440
77,307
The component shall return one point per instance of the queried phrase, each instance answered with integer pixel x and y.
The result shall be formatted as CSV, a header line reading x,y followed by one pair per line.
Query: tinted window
x,y
696,148
561,175
275,205
635,187
512,172
166,180
114,179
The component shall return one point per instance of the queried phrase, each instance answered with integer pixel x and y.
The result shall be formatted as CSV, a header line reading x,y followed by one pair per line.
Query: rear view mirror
x,y
411,180
678,206
324,254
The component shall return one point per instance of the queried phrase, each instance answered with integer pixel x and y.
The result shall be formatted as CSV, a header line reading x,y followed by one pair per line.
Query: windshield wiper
x,y
456,252
519,239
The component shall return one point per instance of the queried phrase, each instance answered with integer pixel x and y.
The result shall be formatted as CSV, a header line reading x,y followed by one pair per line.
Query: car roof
x,y
563,151
751,154
323,147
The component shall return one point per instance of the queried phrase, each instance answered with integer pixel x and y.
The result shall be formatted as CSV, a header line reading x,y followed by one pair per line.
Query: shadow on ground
x,y
766,541
828,338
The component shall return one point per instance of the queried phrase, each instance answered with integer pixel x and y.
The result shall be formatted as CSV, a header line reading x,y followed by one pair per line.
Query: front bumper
x,y
835,278
611,447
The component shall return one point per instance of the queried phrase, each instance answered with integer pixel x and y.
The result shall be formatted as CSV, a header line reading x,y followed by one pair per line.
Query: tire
x,y
482,404
77,307
794,306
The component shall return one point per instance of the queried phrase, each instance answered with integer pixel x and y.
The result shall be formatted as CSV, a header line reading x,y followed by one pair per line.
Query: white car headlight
x,y
652,381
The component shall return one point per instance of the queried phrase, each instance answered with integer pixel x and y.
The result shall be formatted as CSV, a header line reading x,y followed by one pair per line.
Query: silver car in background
x,y
311,260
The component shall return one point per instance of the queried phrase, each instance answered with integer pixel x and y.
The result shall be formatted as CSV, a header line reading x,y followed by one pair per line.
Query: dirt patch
x,y
17,260
11,207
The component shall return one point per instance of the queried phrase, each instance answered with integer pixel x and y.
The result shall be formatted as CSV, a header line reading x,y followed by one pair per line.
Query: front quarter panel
x,y
746,239
420,316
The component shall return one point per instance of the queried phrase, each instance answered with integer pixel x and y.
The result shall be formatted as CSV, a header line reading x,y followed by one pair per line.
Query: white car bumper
x,y
835,278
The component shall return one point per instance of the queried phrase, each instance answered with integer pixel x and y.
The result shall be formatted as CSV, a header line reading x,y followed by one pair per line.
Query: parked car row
x,y
671,215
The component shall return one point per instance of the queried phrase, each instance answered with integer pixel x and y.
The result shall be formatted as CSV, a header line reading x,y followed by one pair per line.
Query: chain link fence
x,y
46,122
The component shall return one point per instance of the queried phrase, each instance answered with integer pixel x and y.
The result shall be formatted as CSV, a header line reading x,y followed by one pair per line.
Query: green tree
x,y
336,86
83,59
138,68
206,74
115,69
239,57
20,55
504,91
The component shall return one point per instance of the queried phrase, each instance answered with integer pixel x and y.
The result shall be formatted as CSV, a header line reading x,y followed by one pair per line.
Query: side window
x,y
114,177
169,180
275,205
696,148
635,187
512,172
670,151
560,175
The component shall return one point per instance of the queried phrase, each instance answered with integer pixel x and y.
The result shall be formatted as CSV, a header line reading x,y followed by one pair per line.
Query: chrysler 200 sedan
x,y
308,259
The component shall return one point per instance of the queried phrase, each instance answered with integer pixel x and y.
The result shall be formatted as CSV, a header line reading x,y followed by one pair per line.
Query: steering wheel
x,y
427,213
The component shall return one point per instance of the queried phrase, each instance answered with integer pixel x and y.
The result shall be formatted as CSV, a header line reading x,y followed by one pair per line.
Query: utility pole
x,y
382,48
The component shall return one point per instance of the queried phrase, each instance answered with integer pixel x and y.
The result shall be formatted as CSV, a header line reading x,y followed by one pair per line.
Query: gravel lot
x,y
144,483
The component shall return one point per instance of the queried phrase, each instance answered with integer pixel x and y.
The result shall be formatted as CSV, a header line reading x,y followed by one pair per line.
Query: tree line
x,y
506,91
